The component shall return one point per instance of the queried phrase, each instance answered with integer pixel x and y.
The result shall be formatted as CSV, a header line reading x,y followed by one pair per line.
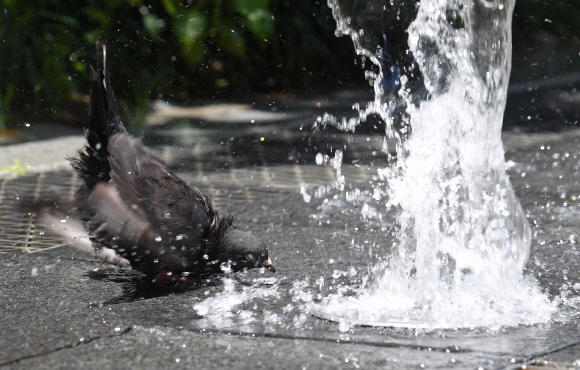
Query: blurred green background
x,y
186,51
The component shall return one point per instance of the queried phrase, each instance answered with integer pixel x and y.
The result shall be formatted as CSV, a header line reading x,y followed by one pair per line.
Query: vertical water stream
x,y
441,71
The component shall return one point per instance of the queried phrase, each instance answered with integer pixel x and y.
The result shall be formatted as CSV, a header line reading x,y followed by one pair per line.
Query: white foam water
x,y
462,236
225,309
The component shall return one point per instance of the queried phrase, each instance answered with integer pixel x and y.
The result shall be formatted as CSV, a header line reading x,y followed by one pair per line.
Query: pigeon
x,y
134,205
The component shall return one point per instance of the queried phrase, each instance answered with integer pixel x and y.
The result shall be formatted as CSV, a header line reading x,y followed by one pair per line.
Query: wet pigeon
x,y
133,204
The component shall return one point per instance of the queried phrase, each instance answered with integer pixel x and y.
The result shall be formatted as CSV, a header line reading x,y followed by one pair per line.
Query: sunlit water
x,y
462,238
323,249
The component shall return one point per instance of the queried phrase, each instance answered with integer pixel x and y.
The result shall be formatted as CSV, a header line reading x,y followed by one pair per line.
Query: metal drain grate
x,y
21,231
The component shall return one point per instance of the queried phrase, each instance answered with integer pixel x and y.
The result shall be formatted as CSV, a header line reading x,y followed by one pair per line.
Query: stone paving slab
x,y
58,302
64,309
59,313
54,321
160,347
570,355
42,155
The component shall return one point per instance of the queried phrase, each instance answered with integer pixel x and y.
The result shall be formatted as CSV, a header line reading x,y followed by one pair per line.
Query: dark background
x,y
188,52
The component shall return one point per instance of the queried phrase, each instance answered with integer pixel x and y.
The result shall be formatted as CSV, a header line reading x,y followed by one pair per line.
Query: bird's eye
x,y
250,257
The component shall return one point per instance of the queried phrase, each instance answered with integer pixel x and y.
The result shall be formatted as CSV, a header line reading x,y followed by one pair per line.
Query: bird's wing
x,y
129,234
118,218
179,215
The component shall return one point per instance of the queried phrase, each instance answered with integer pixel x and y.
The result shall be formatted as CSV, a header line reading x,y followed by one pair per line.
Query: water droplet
x,y
343,326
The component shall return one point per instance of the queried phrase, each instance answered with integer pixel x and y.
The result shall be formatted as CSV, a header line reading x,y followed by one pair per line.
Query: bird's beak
x,y
268,264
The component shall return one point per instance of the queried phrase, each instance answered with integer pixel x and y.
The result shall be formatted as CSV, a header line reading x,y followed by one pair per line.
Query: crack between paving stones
x,y
453,349
528,359
72,345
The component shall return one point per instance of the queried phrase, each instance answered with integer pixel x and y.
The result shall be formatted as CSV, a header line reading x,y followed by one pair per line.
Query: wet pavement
x,y
62,308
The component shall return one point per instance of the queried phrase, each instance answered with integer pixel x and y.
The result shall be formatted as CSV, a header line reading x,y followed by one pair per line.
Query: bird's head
x,y
238,251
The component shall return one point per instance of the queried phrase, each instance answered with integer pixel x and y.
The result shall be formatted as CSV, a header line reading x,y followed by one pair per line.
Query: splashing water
x,y
225,308
462,236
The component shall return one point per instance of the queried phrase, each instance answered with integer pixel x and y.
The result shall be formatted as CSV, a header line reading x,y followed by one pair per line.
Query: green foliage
x,y
187,50
178,50
16,169
6,96
190,28
258,18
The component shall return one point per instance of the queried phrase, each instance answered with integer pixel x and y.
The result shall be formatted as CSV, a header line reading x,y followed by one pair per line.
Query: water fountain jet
x,y
462,238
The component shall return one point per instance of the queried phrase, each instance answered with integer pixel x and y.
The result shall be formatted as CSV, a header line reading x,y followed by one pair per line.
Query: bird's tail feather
x,y
92,163
104,118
